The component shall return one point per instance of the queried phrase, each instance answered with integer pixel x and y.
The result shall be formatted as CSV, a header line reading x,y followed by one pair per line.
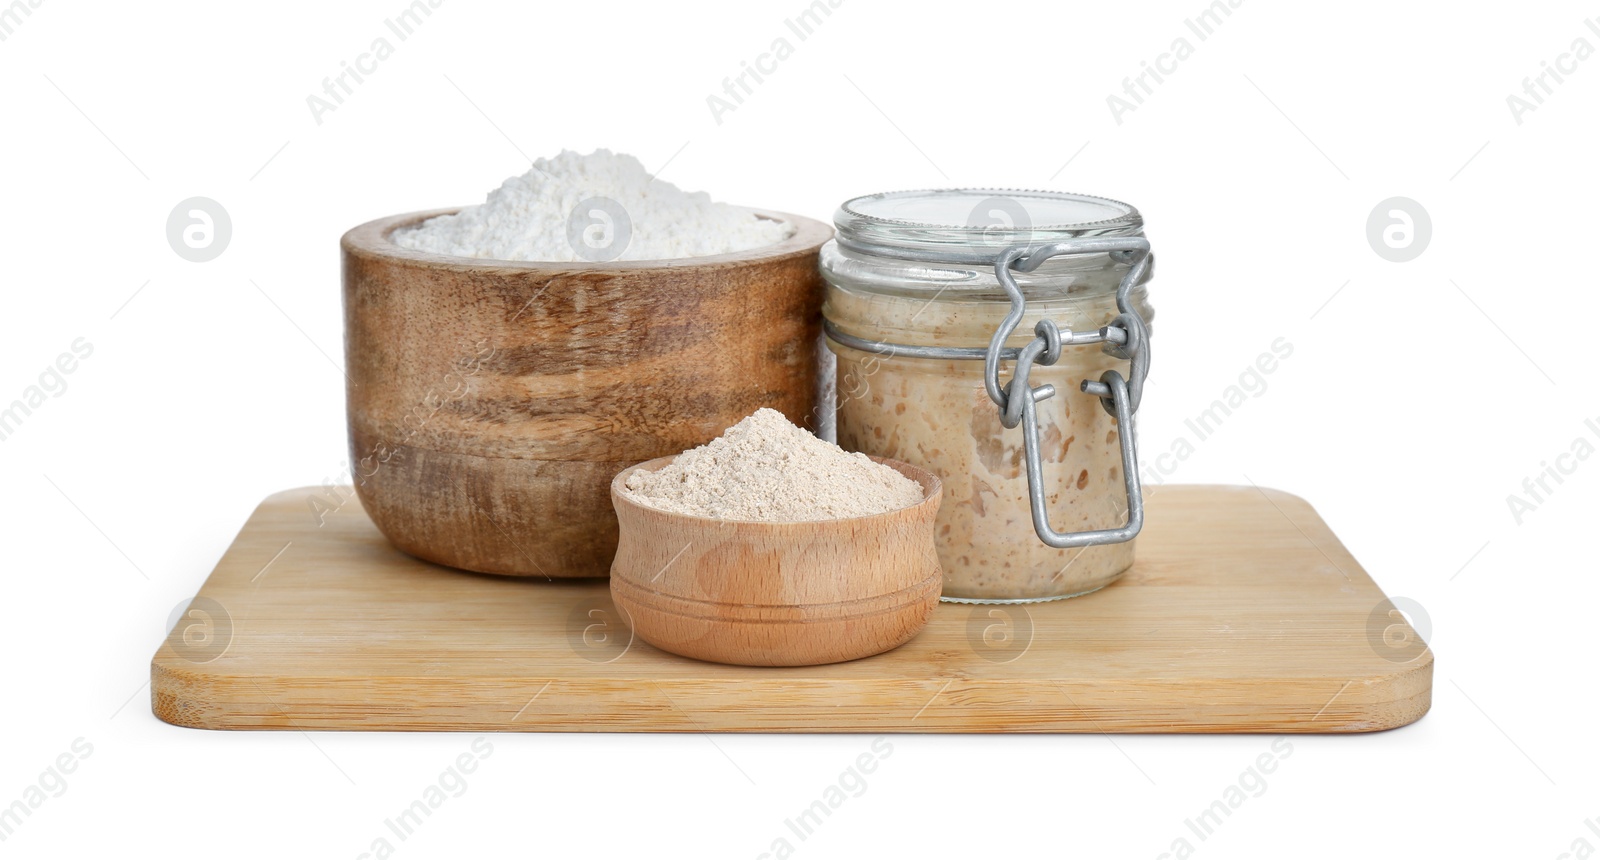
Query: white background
x,y
1419,397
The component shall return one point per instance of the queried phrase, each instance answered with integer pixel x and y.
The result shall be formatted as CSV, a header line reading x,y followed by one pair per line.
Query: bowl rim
x,y
372,240
932,493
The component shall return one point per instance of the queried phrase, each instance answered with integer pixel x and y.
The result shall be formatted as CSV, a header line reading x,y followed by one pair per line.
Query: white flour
x,y
623,215
766,469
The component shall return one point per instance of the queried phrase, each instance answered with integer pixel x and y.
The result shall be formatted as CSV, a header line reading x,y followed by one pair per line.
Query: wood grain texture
x,y
491,402
777,594
1243,613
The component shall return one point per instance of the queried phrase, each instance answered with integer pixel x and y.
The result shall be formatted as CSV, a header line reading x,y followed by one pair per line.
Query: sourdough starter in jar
x,y
935,413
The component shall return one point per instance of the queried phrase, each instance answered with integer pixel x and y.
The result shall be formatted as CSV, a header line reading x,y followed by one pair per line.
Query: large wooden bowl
x,y
777,594
490,403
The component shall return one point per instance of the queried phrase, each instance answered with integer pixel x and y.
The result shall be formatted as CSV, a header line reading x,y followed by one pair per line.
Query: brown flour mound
x,y
766,469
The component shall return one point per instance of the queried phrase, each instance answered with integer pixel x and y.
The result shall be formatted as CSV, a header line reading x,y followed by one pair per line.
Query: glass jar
x,y
909,271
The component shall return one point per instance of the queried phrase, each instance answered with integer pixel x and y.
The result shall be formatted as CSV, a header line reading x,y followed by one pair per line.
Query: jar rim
x,y
962,224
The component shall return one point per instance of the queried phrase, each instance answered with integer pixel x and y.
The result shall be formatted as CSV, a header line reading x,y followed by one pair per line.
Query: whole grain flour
x,y
766,469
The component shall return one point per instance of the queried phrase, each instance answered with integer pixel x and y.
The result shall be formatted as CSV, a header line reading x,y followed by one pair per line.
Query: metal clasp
x,y
1125,337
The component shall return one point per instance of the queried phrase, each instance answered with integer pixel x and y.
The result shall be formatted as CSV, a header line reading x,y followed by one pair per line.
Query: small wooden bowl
x,y
777,593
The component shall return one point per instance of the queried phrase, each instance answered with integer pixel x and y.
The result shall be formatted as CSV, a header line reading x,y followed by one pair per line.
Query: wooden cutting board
x,y
1243,613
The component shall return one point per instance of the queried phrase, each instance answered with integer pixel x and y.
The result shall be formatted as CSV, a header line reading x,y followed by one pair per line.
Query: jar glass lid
x,y
974,225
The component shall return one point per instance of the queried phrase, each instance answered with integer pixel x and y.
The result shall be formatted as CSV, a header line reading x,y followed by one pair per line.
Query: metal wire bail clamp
x,y
1125,337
